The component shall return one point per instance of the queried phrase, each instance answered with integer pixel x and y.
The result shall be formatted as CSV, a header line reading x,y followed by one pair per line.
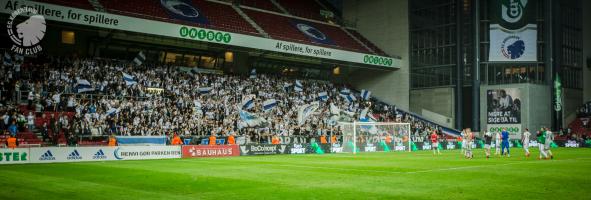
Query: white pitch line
x,y
411,172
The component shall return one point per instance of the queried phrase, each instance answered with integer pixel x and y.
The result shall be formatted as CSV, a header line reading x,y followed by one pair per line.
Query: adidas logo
x,y
74,155
99,155
47,156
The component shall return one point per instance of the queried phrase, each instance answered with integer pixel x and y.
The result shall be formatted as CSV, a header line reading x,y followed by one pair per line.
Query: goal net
x,y
375,136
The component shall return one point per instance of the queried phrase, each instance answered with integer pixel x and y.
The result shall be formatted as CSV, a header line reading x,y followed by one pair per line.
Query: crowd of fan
x,y
116,108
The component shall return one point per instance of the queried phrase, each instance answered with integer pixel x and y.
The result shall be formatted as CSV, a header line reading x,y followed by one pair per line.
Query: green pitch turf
x,y
393,175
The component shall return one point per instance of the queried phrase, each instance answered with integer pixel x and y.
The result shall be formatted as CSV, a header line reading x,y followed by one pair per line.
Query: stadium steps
x,y
357,40
261,4
97,5
274,2
250,21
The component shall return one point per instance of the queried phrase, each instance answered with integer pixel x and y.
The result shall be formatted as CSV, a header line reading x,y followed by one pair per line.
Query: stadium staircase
x,y
97,5
250,21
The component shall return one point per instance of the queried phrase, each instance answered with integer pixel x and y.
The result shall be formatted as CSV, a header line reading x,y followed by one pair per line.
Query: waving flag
x,y
83,86
253,73
351,98
365,116
345,91
306,110
112,111
286,86
269,104
247,102
204,90
365,94
323,96
298,86
140,58
251,120
129,79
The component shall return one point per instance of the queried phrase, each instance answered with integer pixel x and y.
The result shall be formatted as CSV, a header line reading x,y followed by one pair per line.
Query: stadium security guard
x,y
333,139
112,141
11,142
275,140
231,139
323,139
212,139
176,140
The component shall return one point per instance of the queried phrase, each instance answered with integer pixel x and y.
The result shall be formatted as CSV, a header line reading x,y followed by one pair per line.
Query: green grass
x,y
393,175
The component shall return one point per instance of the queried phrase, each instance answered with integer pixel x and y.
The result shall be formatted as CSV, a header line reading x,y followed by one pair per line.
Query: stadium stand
x,y
117,108
306,8
83,4
368,43
277,26
222,16
260,4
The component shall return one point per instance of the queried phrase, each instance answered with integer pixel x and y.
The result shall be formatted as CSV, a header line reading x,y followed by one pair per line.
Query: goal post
x,y
375,136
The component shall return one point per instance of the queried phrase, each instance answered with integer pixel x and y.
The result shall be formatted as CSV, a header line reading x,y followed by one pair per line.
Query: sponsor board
x,y
571,144
14,156
197,151
85,154
369,148
513,129
336,148
52,12
262,149
70,154
298,148
146,152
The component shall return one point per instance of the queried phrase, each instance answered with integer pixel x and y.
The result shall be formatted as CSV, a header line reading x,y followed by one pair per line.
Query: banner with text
x,y
118,22
14,156
197,151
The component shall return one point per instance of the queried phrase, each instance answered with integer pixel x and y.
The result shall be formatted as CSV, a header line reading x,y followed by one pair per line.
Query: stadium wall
x,y
587,51
536,105
437,100
384,23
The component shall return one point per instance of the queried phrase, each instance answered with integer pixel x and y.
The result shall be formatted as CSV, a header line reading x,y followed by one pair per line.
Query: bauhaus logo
x,y
27,34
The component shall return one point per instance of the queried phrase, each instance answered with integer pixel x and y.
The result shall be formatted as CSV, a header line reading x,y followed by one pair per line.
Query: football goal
x,y
375,136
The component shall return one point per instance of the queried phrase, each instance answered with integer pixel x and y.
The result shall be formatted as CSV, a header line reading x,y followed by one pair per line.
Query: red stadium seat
x,y
261,4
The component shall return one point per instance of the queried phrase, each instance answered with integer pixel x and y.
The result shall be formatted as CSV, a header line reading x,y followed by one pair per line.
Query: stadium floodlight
x,y
375,136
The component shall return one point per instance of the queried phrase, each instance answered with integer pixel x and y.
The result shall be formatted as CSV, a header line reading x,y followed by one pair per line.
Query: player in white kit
x,y
497,143
549,140
525,141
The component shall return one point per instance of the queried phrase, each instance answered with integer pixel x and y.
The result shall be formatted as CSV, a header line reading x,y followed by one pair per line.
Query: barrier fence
x,y
104,153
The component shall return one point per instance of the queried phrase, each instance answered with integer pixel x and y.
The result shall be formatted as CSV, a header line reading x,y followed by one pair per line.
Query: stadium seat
x,y
83,4
303,8
261,4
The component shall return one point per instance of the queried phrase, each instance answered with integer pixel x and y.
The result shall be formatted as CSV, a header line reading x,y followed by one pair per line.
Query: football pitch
x,y
391,175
